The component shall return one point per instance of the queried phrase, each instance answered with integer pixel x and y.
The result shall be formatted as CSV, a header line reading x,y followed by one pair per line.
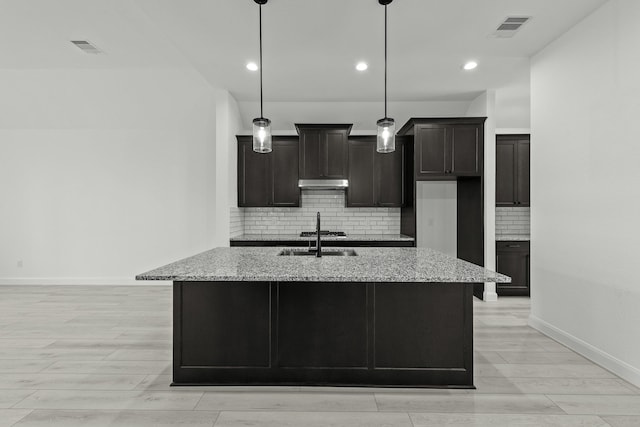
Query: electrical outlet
x,y
19,263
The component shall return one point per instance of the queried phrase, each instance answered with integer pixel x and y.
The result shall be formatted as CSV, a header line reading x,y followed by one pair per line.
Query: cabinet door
x,y
361,174
512,259
284,166
254,180
505,173
334,154
465,150
310,154
389,171
430,148
212,315
523,173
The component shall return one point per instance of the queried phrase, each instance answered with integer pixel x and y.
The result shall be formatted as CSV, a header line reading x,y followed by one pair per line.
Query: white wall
x,y
585,197
436,213
485,106
228,125
513,103
105,173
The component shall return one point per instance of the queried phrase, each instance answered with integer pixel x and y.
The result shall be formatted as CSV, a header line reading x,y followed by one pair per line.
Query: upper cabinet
x,y
284,173
270,179
362,173
254,170
375,179
323,150
446,148
512,170
389,179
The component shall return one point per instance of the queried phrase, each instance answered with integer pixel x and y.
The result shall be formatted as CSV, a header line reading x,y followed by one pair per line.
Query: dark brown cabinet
x,y
390,172
512,170
323,151
447,150
513,259
284,173
254,170
375,179
362,174
271,179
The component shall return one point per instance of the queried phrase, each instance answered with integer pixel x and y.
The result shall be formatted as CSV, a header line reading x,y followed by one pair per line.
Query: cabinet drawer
x,y
512,246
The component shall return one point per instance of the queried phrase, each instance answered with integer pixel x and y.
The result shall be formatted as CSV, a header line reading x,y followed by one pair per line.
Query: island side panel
x,y
223,325
426,329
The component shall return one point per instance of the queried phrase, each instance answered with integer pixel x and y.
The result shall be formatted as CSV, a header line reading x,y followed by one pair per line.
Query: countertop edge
x,y
348,238
374,265
313,279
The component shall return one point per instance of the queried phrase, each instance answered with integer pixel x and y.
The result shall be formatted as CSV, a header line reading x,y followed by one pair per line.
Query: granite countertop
x,y
513,238
371,265
349,237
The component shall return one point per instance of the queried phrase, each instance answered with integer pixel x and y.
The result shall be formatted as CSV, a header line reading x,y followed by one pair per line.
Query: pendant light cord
x,y
260,14
385,61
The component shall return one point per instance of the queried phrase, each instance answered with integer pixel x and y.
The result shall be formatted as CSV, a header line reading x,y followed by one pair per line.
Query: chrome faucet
x,y
318,242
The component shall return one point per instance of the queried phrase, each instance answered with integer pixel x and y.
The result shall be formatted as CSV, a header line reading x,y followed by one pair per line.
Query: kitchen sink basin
x,y
325,252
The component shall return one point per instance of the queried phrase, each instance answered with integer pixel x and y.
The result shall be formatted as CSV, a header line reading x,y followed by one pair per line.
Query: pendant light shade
x,y
261,135
261,125
386,126
386,135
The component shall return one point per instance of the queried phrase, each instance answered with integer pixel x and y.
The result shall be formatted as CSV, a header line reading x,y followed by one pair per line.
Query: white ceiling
x,y
310,46
310,50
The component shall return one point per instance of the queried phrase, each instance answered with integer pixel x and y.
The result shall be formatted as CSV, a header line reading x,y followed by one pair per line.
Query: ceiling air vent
x,y
86,47
510,26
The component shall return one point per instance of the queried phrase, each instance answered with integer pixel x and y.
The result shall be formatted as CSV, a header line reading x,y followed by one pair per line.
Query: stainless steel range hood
x,y
323,184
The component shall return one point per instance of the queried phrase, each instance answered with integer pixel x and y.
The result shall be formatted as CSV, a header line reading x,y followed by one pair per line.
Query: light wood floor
x,y
100,356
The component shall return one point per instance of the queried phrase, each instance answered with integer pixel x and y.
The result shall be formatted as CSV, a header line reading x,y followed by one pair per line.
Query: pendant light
x,y
386,126
261,125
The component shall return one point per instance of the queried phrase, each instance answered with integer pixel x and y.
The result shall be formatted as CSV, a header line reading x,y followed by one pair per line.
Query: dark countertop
x,y
371,265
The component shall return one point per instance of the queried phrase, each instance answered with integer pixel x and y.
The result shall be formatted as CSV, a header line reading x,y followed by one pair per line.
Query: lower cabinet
x,y
323,333
513,259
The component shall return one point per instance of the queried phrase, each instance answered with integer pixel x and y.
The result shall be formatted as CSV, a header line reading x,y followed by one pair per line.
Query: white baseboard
x,y
602,358
489,296
116,281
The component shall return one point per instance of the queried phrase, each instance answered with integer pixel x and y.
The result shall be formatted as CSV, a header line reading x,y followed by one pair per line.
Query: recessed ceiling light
x,y
252,66
361,66
470,65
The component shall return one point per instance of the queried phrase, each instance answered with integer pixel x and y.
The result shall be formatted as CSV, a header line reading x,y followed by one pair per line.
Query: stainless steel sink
x,y
325,252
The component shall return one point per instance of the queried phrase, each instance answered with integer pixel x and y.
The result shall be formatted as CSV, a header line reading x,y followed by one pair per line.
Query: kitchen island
x,y
385,317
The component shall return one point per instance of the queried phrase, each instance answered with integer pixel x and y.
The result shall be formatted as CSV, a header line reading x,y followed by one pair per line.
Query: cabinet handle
x,y
513,246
